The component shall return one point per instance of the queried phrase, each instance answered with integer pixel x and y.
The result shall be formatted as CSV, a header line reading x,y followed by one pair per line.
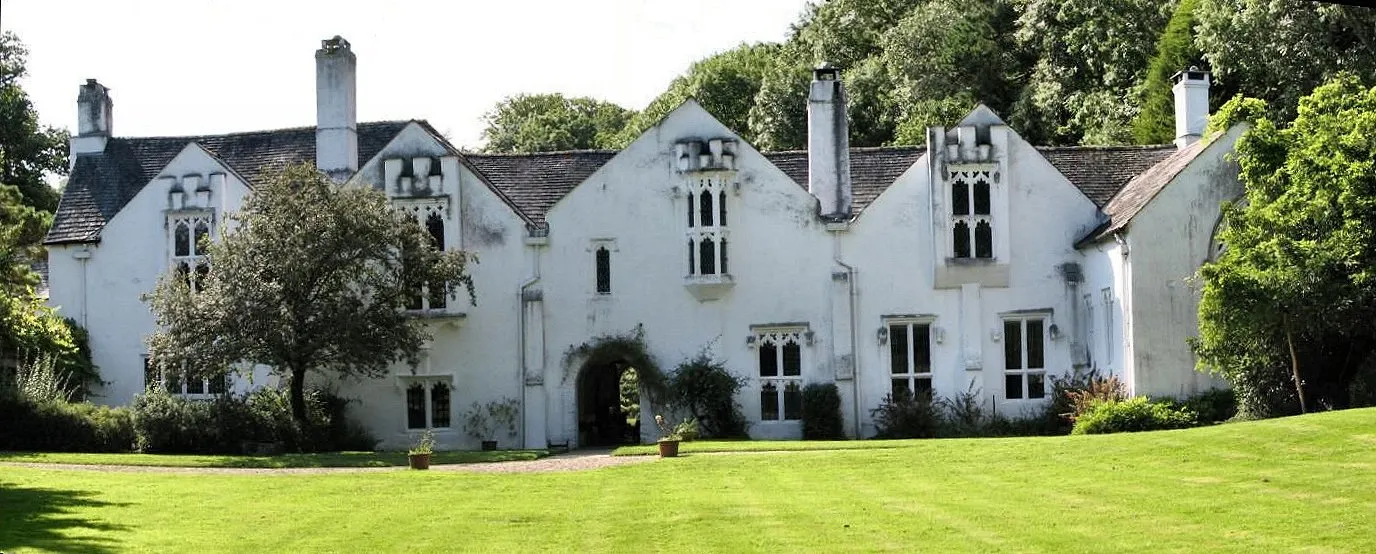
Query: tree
x,y
947,56
312,277
1287,307
550,122
1175,51
1279,50
27,149
725,84
1090,55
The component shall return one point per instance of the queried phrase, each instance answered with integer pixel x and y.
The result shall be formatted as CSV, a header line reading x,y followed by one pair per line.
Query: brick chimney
x,y
1191,105
336,131
828,143
95,119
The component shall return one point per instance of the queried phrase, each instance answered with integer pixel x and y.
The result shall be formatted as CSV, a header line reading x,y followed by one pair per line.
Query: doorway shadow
x,y
41,518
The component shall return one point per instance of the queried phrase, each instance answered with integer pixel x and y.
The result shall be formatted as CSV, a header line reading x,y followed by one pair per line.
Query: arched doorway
x,y
608,405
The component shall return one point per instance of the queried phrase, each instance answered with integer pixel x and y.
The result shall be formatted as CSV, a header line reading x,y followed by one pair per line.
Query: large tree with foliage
x,y
309,276
1279,50
1090,56
1175,51
550,122
725,84
28,150
1287,308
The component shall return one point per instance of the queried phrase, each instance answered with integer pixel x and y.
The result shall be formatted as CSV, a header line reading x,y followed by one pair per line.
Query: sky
x,y
200,67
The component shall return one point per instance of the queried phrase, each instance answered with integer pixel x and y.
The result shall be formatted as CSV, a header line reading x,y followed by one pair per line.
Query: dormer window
x,y
972,231
707,235
189,238
432,215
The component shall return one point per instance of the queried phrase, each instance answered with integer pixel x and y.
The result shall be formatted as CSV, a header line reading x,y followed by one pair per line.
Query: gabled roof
x,y
101,184
872,170
533,183
1101,171
1141,189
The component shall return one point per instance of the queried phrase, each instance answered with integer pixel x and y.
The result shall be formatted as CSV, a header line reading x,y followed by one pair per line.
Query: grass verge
x,y
329,459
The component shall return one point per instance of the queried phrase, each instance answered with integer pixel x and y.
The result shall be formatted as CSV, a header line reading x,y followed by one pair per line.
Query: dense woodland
x,y
1060,71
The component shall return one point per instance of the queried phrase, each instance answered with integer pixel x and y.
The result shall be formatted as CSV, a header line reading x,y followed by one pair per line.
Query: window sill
x,y
708,287
437,316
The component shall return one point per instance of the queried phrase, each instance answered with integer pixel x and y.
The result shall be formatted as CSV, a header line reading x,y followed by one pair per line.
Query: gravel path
x,y
571,461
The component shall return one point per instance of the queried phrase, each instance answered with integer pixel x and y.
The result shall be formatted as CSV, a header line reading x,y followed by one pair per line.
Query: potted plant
x,y
668,439
419,456
483,422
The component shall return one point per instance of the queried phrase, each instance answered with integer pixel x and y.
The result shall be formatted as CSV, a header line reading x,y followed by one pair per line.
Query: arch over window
x,y
182,239
984,240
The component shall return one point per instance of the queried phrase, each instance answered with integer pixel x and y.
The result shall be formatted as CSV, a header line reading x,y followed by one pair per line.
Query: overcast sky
x,y
197,67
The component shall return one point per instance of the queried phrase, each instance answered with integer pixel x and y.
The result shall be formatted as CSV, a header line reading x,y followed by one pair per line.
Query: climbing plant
x,y
626,348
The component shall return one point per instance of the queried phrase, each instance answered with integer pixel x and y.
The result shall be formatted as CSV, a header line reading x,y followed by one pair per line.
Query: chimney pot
x,y
828,143
1191,105
336,131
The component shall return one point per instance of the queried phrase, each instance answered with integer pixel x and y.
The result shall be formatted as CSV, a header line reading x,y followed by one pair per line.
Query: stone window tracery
x,y
972,233
707,226
432,214
781,373
190,237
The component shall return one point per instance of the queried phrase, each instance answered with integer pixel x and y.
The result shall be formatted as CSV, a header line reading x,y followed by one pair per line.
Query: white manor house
x,y
976,262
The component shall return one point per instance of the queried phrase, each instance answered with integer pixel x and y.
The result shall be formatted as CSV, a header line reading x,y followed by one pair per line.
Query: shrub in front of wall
x,y
905,416
703,387
57,426
1213,405
822,412
1131,415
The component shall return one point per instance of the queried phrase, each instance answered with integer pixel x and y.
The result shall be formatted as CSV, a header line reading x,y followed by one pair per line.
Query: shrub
x,y
1133,414
1213,405
905,416
59,426
704,388
226,424
822,412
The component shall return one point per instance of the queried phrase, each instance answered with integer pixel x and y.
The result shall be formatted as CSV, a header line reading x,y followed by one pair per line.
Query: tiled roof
x,y
872,170
1101,171
535,182
1142,188
100,185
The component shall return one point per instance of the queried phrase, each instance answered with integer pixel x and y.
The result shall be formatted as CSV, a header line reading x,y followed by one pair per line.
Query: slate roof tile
x,y
535,182
1101,171
1142,188
100,185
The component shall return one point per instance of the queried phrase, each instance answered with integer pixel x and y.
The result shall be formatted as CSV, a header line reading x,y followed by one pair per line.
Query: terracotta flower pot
x,y
668,448
419,461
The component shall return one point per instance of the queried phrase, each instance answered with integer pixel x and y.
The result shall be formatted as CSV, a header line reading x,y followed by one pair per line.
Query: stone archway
x,y
608,397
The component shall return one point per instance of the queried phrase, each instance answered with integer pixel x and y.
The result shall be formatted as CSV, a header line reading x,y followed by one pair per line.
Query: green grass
x,y
1305,483
332,459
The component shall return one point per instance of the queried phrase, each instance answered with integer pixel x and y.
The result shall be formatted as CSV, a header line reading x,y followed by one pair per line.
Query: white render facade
x,y
977,263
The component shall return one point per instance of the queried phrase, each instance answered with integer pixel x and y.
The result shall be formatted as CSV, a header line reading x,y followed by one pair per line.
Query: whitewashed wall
x,y
892,248
133,253
478,351
1168,241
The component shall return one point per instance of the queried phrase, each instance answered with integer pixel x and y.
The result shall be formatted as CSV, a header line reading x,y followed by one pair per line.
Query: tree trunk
x,y
1295,367
298,396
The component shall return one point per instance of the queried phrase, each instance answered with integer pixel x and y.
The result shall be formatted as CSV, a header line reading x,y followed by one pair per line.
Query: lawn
x,y
333,459
1305,483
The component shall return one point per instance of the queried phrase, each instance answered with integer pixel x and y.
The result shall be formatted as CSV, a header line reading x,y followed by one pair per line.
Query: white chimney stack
x,y
828,143
1191,106
336,131
95,119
